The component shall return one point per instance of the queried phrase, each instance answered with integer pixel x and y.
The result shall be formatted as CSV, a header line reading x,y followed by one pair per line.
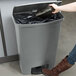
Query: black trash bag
x,y
30,18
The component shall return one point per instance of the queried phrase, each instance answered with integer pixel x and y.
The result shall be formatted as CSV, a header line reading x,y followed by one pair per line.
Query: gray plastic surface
x,y
37,43
1,44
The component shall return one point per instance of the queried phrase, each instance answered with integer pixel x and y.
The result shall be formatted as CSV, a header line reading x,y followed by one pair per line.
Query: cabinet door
x,y
1,47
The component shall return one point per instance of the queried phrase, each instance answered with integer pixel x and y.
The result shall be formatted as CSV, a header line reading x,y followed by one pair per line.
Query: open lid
x,y
34,6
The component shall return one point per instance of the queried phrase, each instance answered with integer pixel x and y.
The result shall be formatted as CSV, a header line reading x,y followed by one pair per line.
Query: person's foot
x,y
62,66
48,72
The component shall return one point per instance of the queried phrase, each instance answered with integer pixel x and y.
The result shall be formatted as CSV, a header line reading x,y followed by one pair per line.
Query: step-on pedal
x,y
38,70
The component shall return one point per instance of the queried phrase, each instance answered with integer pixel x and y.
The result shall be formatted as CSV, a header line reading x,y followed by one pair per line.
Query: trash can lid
x,y
30,7
20,8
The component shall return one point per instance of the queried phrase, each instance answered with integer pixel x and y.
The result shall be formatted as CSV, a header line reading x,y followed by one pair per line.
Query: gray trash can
x,y
37,41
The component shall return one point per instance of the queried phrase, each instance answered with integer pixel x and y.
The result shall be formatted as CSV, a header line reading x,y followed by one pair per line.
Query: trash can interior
x,y
26,14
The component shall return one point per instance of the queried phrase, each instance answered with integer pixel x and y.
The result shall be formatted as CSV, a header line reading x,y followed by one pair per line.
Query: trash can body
x,y
37,43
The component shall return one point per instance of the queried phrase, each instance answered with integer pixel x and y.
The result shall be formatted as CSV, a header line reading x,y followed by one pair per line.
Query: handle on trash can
x,y
46,10
52,9
42,12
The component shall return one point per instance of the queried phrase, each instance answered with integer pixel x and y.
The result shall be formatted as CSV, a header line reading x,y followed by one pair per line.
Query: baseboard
x,y
9,58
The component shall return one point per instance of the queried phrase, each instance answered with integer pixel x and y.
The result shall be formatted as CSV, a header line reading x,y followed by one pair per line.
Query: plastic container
x,y
37,42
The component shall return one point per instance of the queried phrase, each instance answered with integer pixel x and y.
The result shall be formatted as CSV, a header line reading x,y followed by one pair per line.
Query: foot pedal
x,y
38,70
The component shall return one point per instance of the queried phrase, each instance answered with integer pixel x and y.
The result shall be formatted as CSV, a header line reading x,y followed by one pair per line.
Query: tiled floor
x,y
12,69
67,41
